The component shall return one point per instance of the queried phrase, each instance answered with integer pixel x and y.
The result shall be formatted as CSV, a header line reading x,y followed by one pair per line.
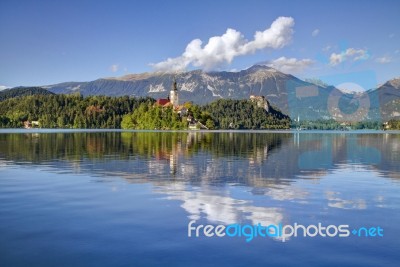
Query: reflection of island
x,y
254,159
202,169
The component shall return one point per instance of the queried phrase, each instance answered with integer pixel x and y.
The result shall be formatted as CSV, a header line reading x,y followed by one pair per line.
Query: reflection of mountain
x,y
227,177
383,153
249,158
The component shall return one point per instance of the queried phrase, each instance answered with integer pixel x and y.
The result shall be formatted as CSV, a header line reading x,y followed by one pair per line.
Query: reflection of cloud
x,y
220,208
114,188
287,193
336,202
380,201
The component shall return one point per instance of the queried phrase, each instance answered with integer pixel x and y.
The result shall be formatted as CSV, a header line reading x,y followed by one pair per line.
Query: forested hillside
x,y
23,91
76,111
68,111
243,114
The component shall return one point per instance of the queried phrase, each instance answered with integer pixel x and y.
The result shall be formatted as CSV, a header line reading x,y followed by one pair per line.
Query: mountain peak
x,y
147,75
285,91
134,77
393,83
261,67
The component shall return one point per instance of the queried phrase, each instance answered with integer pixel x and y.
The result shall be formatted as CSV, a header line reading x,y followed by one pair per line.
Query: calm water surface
x,y
126,198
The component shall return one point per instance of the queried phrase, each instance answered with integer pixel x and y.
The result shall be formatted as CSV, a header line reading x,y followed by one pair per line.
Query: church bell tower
x,y
173,95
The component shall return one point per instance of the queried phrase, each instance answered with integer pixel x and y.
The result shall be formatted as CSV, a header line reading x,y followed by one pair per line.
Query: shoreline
x,y
50,130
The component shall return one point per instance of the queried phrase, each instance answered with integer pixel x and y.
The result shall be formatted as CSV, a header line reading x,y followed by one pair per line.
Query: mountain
x,y
23,91
297,98
389,99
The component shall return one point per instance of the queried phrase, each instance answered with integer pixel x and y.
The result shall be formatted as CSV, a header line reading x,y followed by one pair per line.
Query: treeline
x,y
332,124
393,125
244,114
23,91
68,111
76,111
153,117
220,114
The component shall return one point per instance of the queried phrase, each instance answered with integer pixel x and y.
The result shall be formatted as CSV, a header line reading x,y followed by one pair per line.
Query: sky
x,y
48,42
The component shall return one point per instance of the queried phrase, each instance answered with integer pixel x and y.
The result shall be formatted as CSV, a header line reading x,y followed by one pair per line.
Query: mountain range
x,y
295,97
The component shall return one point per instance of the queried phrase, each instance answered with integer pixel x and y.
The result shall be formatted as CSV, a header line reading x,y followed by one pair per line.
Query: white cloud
x,y
290,65
223,49
114,67
391,35
327,48
2,87
384,59
350,53
315,32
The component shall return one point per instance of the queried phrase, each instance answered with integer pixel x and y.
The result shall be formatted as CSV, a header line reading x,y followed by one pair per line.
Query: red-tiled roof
x,y
162,101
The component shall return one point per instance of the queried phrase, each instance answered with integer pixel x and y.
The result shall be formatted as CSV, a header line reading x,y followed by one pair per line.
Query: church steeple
x,y
173,94
174,86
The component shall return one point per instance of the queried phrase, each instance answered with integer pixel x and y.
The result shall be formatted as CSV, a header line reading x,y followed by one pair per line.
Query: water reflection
x,y
336,201
265,158
202,169
220,208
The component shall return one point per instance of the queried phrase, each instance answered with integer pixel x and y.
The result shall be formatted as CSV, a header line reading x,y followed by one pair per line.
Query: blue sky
x,y
47,42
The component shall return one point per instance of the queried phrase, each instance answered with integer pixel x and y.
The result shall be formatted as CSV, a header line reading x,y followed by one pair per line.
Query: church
x,y
173,98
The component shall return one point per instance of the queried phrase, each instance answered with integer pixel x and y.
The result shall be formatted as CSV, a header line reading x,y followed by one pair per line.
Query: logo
x,y
279,231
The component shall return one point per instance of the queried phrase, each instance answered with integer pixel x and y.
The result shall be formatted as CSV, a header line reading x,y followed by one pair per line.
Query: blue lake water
x,y
114,198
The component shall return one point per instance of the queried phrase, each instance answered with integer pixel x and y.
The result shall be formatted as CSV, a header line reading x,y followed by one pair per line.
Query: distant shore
x,y
44,130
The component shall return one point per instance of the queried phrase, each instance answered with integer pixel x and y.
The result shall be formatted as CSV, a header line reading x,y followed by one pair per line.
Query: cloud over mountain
x,y
290,65
223,49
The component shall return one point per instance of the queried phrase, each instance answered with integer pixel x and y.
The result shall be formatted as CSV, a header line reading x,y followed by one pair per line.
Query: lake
x,y
126,198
